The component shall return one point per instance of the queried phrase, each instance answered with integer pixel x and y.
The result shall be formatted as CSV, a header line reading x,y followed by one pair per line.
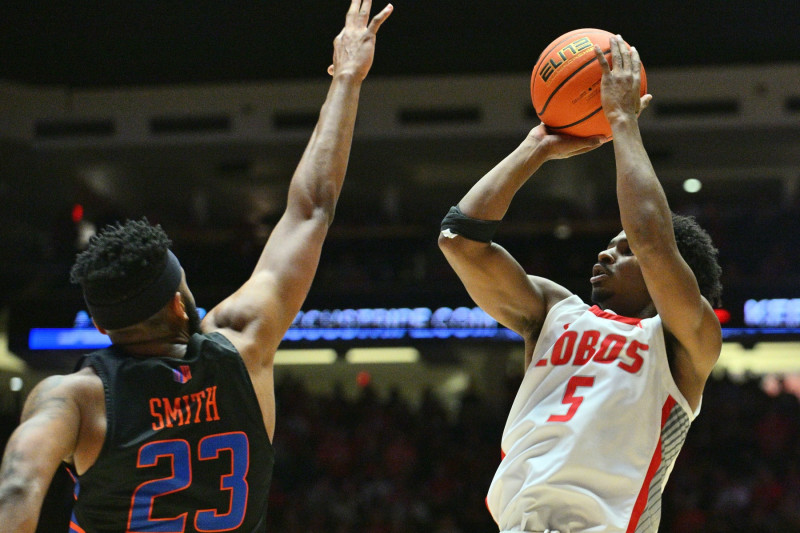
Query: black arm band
x,y
456,222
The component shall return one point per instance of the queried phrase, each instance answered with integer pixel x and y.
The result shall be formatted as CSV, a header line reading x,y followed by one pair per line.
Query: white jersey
x,y
594,429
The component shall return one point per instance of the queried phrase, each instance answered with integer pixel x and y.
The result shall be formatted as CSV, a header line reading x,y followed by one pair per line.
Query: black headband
x,y
142,304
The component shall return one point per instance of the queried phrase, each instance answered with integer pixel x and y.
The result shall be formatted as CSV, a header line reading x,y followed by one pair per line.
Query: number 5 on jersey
x,y
570,398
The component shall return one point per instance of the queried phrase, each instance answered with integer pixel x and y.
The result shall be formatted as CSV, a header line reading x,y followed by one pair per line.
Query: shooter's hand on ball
x,y
559,146
620,88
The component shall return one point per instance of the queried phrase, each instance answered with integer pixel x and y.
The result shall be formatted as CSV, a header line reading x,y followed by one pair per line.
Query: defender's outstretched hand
x,y
354,47
621,81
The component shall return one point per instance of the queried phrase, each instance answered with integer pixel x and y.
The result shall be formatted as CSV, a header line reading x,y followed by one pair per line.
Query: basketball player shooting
x,y
609,389
170,428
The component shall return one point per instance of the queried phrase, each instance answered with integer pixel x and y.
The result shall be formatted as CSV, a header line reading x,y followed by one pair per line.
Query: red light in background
x,y
77,213
723,315
363,378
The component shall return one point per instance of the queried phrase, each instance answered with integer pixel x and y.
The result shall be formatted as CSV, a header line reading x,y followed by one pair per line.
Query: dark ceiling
x,y
119,42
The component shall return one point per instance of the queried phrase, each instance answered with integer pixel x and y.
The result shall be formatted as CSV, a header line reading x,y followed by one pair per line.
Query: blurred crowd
x,y
374,464
377,464
380,260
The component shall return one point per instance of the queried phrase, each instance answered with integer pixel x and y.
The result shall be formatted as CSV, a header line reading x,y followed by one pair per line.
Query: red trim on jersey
x,y
75,528
655,462
74,478
619,318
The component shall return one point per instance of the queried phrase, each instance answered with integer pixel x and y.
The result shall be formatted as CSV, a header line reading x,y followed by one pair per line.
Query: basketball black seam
x,y
547,102
590,115
546,53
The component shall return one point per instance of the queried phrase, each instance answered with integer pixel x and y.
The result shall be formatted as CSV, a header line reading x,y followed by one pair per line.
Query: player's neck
x,y
155,348
648,311
161,343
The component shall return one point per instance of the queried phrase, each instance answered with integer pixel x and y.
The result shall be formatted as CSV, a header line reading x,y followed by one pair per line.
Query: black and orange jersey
x,y
186,449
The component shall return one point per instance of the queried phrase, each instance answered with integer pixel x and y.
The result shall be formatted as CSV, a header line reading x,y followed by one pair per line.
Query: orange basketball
x,y
565,84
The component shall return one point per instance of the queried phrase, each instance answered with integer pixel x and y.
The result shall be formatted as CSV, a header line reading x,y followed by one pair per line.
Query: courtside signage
x,y
765,318
377,324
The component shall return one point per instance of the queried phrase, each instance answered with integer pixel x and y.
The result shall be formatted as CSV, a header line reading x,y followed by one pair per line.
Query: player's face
x,y
617,281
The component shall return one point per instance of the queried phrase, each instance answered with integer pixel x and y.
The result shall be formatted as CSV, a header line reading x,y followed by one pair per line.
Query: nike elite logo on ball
x,y
565,84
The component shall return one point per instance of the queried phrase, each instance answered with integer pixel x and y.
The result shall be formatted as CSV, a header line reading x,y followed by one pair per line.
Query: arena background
x,y
195,115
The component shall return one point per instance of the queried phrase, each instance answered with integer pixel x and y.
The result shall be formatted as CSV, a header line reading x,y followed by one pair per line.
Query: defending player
x,y
170,429
609,390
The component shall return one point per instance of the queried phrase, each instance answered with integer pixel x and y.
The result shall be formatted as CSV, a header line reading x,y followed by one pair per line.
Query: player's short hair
x,y
127,273
699,252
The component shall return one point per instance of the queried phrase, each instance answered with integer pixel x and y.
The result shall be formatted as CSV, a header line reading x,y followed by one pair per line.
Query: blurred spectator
x,y
375,464
378,466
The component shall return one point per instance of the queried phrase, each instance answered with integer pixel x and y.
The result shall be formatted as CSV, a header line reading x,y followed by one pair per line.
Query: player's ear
x,y
177,307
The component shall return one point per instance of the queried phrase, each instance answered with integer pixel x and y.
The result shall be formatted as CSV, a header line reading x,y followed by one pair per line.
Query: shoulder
x,y
564,304
86,387
551,292
552,295
83,380
562,307
64,396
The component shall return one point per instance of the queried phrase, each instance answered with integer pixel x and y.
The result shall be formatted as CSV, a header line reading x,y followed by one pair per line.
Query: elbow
x,y
456,246
323,203
324,214
643,207
450,247
313,201
312,210
444,242
449,244
648,224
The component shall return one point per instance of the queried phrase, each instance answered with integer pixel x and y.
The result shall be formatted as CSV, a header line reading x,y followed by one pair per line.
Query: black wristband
x,y
456,222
